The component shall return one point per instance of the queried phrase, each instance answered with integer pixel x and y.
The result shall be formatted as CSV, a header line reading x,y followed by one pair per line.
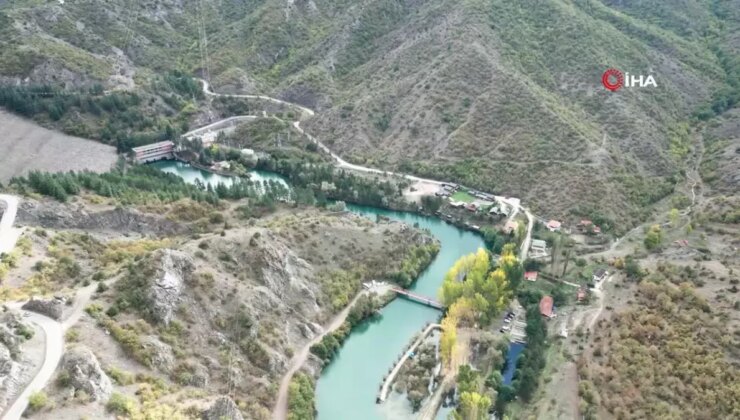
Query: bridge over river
x,y
418,298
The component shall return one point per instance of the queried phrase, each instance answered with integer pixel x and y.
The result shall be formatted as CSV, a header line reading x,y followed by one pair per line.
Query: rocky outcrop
x,y
223,409
10,376
11,341
83,373
284,272
54,215
53,308
172,270
160,354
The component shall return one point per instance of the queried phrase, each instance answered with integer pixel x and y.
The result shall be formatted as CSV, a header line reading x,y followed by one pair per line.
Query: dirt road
x,y
280,411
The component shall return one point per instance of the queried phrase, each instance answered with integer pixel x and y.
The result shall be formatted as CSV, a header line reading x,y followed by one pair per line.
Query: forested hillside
x,y
501,95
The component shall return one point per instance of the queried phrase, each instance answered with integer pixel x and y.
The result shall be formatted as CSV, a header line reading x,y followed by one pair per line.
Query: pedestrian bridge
x,y
418,298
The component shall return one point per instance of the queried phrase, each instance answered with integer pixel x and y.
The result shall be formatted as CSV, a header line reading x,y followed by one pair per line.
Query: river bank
x,y
372,347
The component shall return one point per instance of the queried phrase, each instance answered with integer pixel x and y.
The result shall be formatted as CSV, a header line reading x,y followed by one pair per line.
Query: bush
x,y
119,376
301,405
37,401
121,404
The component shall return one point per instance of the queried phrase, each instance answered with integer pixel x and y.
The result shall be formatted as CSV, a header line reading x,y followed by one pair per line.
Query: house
x,y
510,227
538,245
599,275
457,204
596,230
530,275
581,294
584,225
546,307
553,226
471,207
221,166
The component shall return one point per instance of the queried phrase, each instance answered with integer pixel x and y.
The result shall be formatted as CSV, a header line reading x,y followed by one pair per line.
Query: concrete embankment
x,y
385,388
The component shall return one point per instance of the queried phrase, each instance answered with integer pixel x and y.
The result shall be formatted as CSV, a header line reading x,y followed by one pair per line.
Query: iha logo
x,y
613,79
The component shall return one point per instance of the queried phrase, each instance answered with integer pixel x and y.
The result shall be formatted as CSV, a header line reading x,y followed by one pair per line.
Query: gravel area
x,y
26,146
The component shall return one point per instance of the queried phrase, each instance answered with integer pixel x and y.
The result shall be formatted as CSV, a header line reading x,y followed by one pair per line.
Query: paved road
x,y
53,348
8,234
341,163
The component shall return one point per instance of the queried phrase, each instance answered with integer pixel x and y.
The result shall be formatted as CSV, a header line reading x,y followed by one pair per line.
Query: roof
x,y
510,226
539,243
600,272
546,306
153,145
530,275
585,222
553,224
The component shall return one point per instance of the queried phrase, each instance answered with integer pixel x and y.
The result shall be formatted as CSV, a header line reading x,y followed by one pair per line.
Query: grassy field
x,y
462,196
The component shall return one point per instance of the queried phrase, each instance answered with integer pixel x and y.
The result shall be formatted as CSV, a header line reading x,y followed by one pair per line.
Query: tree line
x,y
143,184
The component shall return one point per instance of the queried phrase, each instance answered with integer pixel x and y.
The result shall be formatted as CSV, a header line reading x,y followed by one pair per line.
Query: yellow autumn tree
x,y
473,406
448,341
497,292
463,310
481,294
470,268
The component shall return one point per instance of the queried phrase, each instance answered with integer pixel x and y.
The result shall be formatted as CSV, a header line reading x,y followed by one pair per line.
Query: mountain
x,y
503,96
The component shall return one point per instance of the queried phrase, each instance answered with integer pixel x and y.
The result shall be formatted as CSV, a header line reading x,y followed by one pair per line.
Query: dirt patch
x,y
27,146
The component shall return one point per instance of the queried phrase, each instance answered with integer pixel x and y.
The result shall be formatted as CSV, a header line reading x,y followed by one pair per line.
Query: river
x,y
190,174
349,385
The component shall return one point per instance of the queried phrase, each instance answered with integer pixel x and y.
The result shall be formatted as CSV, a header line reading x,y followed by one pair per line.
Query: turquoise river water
x,y
349,385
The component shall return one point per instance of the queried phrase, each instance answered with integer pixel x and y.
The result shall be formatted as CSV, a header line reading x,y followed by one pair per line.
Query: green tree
x,y
431,203
301,405
673,216
653,238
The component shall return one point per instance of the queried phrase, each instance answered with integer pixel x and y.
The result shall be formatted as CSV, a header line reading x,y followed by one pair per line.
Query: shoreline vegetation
x,y
301,403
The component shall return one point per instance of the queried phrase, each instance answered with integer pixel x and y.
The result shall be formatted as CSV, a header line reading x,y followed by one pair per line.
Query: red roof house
x,y
546,306
530,275
553,225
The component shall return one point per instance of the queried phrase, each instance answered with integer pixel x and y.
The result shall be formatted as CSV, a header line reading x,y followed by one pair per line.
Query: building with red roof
x,y
554,225
546,304
530,275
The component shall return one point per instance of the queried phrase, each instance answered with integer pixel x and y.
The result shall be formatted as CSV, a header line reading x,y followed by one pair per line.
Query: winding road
x,y
53,348
8,234
52,330
280,410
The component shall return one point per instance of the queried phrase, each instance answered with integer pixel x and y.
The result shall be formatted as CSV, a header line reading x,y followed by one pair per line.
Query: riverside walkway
x,y
392,376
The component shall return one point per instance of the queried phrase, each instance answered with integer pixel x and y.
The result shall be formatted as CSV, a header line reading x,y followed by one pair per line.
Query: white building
x,y
155,151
